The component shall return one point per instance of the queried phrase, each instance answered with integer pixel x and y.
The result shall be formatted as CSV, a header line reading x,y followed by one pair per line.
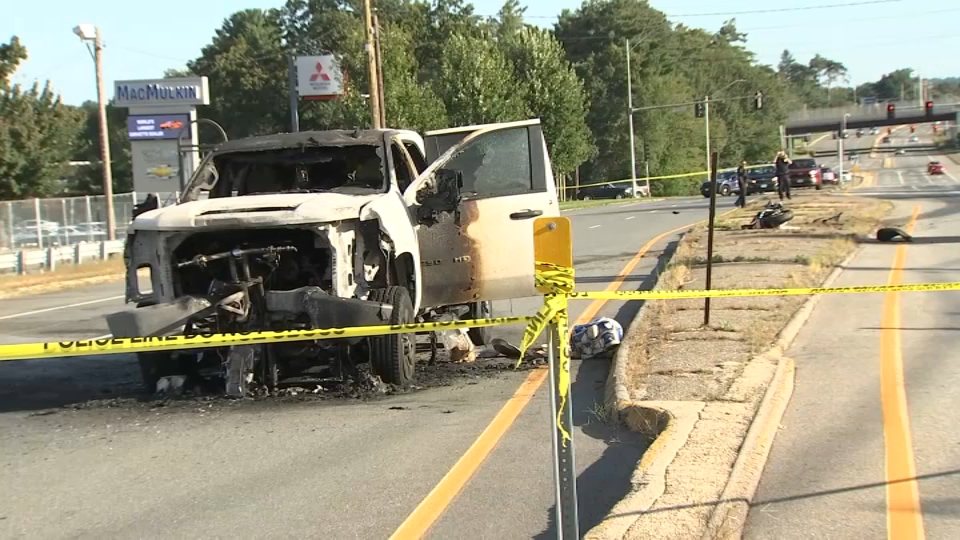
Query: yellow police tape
x,y
28,351
668,176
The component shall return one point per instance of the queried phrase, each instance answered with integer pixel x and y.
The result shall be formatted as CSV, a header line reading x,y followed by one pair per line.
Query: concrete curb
x,y
671,423
729,517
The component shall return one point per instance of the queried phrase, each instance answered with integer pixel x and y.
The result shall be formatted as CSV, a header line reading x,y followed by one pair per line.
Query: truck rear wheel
x,y
393,357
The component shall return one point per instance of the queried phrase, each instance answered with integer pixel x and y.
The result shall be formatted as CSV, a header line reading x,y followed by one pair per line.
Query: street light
x,y
633,146
706,114
843,128
90,33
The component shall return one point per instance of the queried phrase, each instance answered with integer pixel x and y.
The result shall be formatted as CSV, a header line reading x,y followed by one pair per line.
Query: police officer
x,y
782,164
742,184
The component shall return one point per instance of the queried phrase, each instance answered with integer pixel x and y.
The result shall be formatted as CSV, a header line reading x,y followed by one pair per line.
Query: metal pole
x,y
104,136
843,127
36,216
292,90
633,149
710,226
565,470
646,166
706,123
379,51
372,67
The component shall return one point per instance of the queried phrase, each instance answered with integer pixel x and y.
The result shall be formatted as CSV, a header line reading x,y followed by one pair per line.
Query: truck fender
x,y
394,219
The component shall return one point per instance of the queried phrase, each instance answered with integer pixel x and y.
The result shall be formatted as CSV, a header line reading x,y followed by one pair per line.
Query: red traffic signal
x,y
890,110
928,108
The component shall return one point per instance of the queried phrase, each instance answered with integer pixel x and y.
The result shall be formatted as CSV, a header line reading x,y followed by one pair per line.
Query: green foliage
x,y
37,133
88,179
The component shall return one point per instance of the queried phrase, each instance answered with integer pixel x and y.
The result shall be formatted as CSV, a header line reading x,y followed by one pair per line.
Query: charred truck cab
x,y
331,229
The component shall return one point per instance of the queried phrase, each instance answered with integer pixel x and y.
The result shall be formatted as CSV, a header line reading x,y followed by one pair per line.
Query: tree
x,y
37,133
88,179
476,83
554,93
247,71
11,54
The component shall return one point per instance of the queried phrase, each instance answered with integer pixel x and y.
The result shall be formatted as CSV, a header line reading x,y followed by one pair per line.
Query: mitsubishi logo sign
x,y
319,77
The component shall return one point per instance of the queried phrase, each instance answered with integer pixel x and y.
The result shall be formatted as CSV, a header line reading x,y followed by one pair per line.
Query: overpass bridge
x,y
866,116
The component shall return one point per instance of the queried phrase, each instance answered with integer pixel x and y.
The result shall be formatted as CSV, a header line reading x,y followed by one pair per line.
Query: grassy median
x,y
675,357
67,276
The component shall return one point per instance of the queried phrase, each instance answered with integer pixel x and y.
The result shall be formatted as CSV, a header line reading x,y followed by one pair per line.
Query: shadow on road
x,y
607,480
799,496
57,382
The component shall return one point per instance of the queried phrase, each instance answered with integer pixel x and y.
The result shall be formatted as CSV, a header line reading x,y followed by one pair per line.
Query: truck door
x,y
484,249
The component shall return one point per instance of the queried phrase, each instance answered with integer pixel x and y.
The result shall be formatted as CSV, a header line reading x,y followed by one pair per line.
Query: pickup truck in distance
x,y
805,172
333,229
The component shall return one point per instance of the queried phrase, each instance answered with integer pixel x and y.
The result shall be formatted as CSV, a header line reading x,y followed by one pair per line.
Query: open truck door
x,y
475,205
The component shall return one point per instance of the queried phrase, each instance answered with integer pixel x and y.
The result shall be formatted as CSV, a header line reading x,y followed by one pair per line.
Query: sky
x,y
142,39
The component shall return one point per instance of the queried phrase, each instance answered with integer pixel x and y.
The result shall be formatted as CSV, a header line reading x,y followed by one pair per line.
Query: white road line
x,y
631,217
594,226
68,306
915,188
900,176
674,205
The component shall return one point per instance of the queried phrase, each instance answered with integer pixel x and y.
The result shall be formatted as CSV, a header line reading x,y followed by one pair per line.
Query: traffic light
x,y
891,111
699,109
758,100
928,108
646,151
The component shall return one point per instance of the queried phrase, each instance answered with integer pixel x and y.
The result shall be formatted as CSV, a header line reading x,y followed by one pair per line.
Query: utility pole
x,y
379,51
104,136
633,149
372,67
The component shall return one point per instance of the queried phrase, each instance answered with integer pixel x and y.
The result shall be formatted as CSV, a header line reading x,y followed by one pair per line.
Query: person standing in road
x,y
782,164
742,185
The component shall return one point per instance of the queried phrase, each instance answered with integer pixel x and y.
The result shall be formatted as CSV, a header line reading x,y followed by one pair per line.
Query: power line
x,y
749,12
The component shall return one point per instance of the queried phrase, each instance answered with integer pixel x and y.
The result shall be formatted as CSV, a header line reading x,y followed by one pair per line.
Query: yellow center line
x,y
436,502
904,516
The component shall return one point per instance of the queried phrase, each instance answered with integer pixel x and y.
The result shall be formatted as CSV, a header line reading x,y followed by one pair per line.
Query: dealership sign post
x,y
161,111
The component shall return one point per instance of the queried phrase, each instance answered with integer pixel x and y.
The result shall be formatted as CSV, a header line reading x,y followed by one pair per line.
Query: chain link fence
x,y
43,223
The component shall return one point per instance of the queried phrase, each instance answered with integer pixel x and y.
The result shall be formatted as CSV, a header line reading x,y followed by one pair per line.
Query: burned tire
x,y
156,365
480,310
772,222
394,357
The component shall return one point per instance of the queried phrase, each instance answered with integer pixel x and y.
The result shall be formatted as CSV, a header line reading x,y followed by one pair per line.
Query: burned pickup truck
x,y
331,229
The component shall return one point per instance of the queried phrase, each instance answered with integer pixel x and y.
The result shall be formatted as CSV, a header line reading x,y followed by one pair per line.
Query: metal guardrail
x,y
22,261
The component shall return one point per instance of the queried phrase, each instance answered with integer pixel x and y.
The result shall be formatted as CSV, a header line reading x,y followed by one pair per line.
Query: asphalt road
x,y
868,447
327,469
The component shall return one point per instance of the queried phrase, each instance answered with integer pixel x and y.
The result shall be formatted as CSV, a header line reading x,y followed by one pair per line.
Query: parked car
x,y
761,179
726,184
886,140
935,167
859,133
875,131
827,176
914,139
605,191
805,172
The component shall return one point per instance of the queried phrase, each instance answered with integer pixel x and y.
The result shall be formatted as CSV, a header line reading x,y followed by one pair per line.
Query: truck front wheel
x,y
393,357
480,310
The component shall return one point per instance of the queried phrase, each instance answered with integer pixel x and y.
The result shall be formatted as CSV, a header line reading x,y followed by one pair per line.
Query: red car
x,y
171,124
934,167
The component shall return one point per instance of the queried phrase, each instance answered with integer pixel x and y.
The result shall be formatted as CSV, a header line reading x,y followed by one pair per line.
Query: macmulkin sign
x,y
181,91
